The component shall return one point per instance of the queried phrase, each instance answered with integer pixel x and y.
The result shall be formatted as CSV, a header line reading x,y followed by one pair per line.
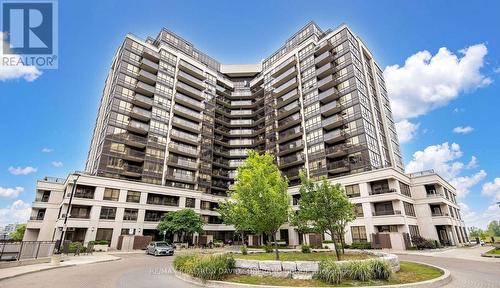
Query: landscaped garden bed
x,y
298,256
495,253
409,273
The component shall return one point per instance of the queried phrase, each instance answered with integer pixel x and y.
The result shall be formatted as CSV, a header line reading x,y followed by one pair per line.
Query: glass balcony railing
x,y
185,123
189,100
184,135
182,148
188,111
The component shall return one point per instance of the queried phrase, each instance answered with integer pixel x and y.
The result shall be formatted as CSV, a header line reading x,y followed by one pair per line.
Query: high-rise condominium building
x,y
174,124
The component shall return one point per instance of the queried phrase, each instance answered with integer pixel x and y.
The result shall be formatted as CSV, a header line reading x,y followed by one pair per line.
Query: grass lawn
x,y
299,256
410,272
494,251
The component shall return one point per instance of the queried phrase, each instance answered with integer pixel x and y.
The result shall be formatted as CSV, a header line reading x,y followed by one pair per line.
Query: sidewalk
x,y
69,261
472,253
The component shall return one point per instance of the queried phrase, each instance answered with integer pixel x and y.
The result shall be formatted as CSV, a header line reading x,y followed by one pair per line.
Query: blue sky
x,y
436,92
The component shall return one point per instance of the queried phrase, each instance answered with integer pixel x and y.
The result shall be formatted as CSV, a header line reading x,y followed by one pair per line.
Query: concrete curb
x,y
57,267
490,255
433,283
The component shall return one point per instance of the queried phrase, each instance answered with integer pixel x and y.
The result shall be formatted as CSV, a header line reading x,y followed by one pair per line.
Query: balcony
x,y
323,47
149,65
331,108
138,127
133,155
150,54
383,191
323,59
283,66
328,95
333,122
37,218
187,125
192,81
287,98
147,77
189,102
190,91
182,162
146,89
183,136
386,212
141,114
134,140
289,74
289,122
131,170
291,147
292,160
336,151
142,101
338,167
177,176
326,83
188,113
191,69
285,88
439,214
334,136
181,149
324,71
288,110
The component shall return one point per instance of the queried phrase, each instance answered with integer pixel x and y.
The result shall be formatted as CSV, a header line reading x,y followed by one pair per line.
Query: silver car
x,y
159,248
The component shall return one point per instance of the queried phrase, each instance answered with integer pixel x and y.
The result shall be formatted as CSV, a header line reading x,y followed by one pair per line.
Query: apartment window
x,y
86,192
130,214
104,234
158,199
358,233
405,189
409,209
358,209
190,202
126,231
108,213
111,194
133,196
387,228
80,212
414,232
352,190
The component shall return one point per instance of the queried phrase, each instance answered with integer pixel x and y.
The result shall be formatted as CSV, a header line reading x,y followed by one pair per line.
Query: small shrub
x,y
268,248
207,267
244,249
74,245
361,245
359,270
381,268
330,272
306,249
100,242
328,242
422,243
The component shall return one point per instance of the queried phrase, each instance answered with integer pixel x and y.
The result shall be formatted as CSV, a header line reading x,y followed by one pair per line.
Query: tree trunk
x,y
276,247
337,254
342,241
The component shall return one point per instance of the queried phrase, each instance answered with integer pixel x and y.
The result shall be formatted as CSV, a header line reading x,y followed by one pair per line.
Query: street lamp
x,y
63,234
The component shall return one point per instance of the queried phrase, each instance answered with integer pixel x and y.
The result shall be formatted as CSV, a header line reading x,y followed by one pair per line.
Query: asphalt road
x,y
133,270
139,270
464,273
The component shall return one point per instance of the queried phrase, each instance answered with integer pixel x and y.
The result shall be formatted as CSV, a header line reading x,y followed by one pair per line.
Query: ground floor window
x,y
414,232
104,234
358,233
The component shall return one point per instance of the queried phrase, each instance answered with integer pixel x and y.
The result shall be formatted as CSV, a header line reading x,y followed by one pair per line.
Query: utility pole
x,y
63,234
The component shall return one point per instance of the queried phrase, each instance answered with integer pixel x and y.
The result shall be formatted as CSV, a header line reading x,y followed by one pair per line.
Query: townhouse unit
x,y
174,124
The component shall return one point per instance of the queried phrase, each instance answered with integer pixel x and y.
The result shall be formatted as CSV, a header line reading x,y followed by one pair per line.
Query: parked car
x,y
474,242
160,248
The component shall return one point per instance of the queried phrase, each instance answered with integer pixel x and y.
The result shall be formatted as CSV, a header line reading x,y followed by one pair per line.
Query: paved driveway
x,y
133,270
473,253
465,273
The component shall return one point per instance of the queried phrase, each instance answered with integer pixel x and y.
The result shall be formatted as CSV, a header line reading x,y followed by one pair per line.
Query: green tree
x,y
324,208
235,215
182,222
260,195
475,232
494,228
18,234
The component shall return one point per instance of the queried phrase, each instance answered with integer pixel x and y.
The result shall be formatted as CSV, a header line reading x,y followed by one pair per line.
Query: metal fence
x,y
21,250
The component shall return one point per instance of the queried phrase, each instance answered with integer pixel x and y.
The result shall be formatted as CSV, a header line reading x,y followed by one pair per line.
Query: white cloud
x,y
458,110
426,82
406,130
11,192
57,164
492,189
443,159
496,70
10,72
17,212
47,150
463,130
22,170
482,219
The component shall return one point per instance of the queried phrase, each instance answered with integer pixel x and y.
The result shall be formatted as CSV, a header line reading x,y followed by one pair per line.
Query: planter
x,y
101,248
181,245
55,260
